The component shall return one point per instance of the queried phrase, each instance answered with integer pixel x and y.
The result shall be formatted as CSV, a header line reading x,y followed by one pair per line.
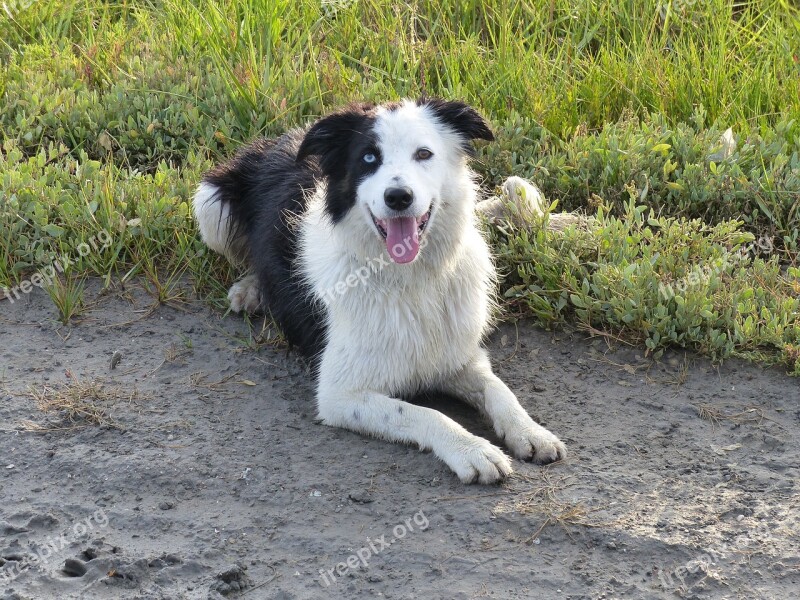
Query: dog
x,y
361,240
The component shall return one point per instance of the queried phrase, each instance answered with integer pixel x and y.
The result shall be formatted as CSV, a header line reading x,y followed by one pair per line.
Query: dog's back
x,y
247,209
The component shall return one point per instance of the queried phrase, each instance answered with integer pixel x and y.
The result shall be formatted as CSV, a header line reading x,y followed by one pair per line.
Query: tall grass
x,y
566,63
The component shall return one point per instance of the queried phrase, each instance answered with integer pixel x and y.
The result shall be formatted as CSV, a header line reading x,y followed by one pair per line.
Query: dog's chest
x,y
402,337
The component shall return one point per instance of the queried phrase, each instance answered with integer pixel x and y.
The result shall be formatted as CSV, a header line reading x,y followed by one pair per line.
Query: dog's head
x,y
393,164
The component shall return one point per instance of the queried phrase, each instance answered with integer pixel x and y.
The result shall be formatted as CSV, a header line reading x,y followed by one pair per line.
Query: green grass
x,y
111,110
658,282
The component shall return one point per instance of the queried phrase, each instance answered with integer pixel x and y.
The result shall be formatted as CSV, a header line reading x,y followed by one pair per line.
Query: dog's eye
x,y
423,154
369,158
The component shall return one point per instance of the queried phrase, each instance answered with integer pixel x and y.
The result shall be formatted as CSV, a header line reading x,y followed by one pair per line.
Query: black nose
x,y
398,198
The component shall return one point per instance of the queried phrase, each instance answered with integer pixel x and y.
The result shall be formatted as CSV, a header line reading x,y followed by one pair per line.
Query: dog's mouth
x,y
402,235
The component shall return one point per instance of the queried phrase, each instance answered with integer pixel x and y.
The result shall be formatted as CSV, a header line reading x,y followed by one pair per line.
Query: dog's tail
x,y
224,203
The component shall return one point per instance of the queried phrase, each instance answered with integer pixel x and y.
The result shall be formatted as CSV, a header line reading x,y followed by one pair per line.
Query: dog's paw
x,y
530,441
474,459
244,295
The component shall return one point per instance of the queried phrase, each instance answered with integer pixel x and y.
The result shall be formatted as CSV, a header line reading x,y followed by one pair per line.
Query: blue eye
x,y
369,158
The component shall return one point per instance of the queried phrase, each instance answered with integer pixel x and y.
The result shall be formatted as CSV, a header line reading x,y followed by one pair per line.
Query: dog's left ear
x,y
461,117
330,136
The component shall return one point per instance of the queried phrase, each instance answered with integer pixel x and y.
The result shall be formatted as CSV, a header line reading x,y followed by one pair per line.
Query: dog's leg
x,y
245,295
477,384
472,458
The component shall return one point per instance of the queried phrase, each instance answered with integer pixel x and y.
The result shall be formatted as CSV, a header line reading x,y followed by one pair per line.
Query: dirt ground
x,y
195,469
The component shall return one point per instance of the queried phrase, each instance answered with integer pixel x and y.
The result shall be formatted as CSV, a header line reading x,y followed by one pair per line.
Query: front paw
x,y
528,440
474,459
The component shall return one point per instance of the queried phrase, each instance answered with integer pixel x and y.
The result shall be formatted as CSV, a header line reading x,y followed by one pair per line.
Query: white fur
x,y
418,326
213,219
245,295
402,132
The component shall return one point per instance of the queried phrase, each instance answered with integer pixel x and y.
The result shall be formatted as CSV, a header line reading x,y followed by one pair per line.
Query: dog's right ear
x,y
329,137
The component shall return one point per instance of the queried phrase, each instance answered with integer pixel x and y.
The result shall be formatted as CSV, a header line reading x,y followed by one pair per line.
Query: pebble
x,y
361,497
74,568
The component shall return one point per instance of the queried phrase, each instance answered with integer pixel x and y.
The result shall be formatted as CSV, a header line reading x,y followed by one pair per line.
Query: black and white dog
x,y
362,243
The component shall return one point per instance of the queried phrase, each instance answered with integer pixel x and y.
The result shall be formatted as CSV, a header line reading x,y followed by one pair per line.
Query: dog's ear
x,y
460,117
329,137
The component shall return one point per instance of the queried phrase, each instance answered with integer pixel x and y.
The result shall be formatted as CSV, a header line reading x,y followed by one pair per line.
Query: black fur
x,y
340,140
264,185
461,118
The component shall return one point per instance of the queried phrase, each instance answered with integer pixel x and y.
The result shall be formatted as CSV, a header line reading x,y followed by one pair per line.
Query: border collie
x,y
361,241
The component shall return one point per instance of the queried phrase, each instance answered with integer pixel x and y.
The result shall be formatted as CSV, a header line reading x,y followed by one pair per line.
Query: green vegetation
x,y
110,110
657,281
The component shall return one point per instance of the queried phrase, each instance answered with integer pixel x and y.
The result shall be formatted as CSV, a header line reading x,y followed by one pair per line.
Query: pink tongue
x,y
402,239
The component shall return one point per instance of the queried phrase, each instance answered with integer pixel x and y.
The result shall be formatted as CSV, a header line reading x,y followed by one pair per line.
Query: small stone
x,y
361,497
232,579
74,568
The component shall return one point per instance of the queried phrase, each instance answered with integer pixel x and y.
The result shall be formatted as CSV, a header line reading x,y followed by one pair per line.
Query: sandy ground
x,y
207,475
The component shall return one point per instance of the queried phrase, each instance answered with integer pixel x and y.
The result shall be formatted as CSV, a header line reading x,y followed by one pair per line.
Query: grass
x,y
713,414
544,496
67,295
112,110
657,281
78,403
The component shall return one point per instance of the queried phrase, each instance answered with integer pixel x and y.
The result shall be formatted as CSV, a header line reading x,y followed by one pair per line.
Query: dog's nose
x,y
398,198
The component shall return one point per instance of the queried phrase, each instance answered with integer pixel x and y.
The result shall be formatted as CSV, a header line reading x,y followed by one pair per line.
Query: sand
x,y
195,469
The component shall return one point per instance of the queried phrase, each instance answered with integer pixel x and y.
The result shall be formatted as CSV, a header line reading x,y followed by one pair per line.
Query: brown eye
x,y
423,154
